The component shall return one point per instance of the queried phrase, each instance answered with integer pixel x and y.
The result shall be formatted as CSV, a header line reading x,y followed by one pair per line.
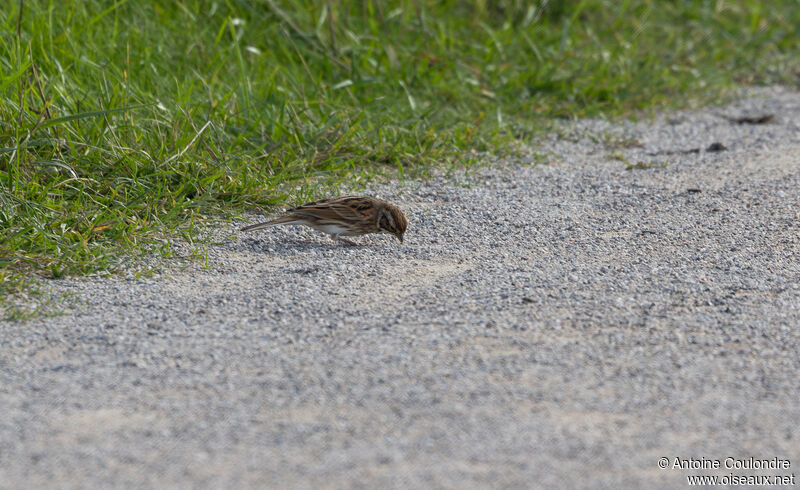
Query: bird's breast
x,y
332,229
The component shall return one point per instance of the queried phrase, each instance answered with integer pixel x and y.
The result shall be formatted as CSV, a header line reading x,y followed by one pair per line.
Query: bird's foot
x,y
345,240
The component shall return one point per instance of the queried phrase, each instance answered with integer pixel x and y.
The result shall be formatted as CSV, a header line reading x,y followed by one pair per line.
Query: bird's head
x,y
392,220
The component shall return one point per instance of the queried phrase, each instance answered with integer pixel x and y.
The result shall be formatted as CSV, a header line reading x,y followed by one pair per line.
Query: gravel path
x,y
564,324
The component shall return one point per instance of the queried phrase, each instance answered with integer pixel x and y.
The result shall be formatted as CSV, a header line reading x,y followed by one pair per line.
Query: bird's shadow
x,y
293,245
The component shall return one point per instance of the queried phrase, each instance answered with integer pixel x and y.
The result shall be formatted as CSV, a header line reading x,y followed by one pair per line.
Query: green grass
x,y
125,121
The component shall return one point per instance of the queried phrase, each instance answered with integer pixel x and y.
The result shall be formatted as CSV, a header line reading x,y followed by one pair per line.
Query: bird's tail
x,y
266,224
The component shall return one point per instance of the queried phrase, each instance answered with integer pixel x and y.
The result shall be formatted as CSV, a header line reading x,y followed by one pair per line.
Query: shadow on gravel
x,y
293,246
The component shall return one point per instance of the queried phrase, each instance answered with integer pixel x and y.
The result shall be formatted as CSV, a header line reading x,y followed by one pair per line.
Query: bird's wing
x,y
338,209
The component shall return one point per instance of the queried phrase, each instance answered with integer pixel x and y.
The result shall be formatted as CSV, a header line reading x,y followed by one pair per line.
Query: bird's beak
x,y
400,237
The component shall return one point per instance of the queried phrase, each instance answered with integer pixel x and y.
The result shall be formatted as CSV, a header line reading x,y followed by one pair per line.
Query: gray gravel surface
x,y
564,324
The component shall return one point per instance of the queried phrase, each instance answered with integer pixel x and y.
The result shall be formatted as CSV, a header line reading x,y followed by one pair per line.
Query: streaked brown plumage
x,y
344,216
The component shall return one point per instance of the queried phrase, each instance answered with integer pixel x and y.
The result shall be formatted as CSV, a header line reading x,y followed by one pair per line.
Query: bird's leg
x,y
345,240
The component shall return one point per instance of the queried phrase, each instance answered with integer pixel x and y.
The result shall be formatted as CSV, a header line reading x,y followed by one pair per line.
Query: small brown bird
x,y
344,216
